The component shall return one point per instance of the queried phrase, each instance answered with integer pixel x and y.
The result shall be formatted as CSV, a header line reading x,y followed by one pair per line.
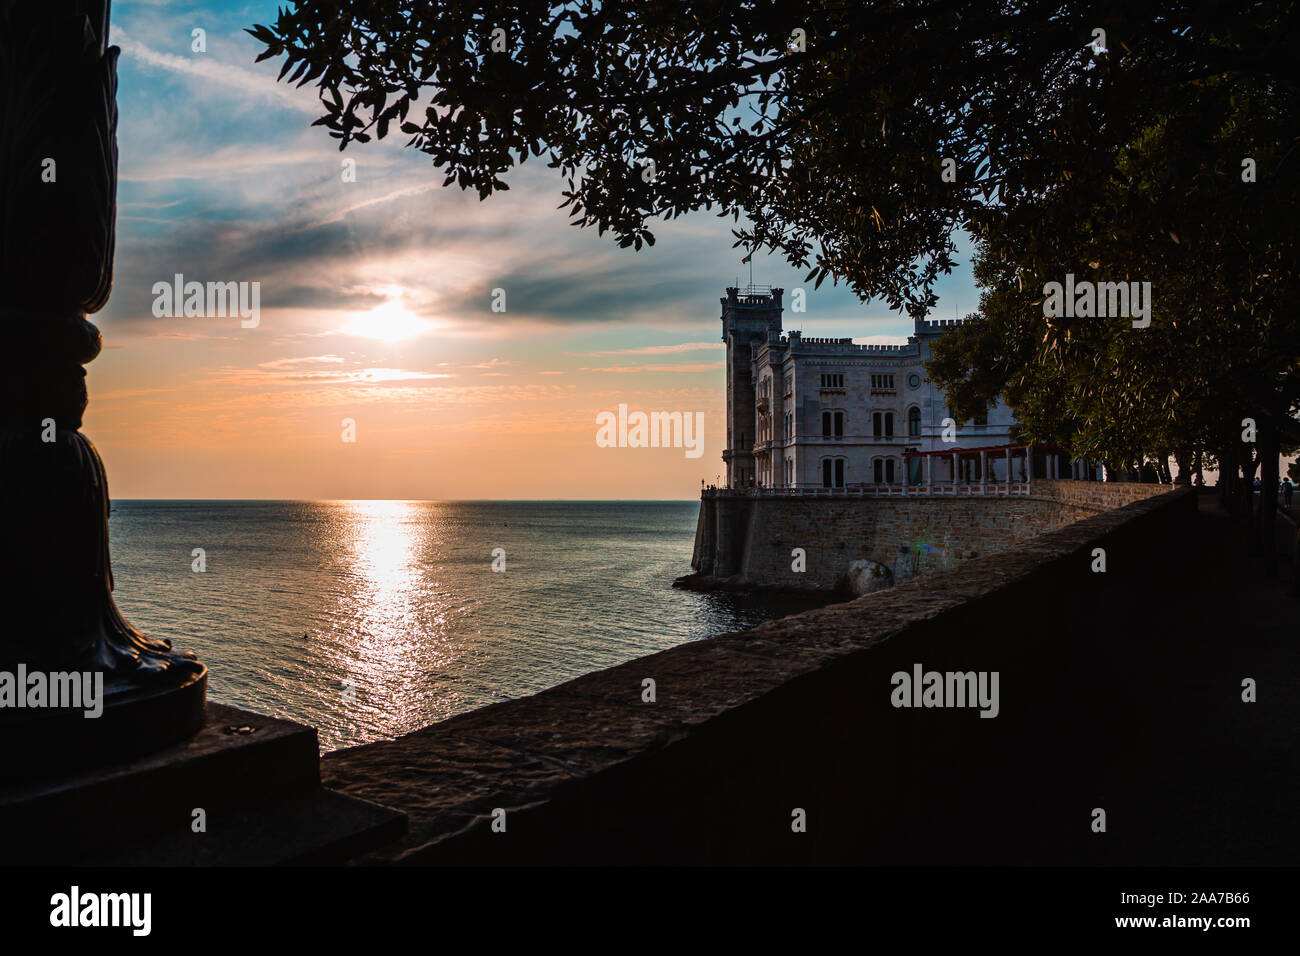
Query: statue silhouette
x,y
58,183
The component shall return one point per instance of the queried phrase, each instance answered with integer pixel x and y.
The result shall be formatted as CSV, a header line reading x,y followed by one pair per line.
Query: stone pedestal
x,y
252,781
133,722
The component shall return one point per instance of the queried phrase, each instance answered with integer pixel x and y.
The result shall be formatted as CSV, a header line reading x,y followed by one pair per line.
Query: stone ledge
x,y
523,754
256,778
1096,496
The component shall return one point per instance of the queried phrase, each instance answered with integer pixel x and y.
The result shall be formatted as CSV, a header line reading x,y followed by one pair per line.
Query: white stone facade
x,y
815,413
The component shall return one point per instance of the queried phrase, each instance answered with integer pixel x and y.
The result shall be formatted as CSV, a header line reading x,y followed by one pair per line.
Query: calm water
x,y
399,599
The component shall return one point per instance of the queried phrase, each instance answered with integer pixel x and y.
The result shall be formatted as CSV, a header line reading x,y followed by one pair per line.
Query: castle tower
x,y
746,320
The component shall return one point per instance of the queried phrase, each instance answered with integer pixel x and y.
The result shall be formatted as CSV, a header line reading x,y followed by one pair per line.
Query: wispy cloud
x,y
656,349
207,69
627,369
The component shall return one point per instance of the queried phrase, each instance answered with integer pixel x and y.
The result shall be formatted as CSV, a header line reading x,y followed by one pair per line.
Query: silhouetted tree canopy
x,y
829,141
1220,253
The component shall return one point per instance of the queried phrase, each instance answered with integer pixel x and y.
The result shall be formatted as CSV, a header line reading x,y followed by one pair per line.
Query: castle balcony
x,y
884,392
938,489
860,441
798,342
754,297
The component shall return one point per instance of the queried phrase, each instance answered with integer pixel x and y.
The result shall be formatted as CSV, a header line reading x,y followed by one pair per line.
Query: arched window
x,y
914,422
832,472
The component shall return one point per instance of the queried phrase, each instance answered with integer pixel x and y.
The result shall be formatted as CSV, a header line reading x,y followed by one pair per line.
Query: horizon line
x,y
417,500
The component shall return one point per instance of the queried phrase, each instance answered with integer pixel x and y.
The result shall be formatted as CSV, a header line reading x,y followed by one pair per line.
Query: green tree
x,y
1177,210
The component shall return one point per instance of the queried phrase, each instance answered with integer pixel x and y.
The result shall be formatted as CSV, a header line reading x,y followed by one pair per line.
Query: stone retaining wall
x,y
1094,496
747,729
750,541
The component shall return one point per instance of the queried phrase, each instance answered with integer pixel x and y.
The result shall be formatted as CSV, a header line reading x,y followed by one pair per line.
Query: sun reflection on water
x,y
385,546
371,619
395,614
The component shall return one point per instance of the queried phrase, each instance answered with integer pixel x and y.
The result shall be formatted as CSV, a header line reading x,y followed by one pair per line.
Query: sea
x,y
370,619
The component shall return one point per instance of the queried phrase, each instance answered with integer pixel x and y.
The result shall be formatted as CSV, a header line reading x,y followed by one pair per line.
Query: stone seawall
x,y
746,730
1093,497
751,540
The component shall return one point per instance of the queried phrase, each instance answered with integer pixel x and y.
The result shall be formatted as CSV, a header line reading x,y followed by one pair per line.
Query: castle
x,y
807,413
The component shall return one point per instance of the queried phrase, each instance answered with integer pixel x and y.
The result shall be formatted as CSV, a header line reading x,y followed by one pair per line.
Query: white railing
x,y
937,489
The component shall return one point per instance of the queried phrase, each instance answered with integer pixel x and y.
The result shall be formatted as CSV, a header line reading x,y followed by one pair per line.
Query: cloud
x,y
277,373
304,360
626,369
657,349
340,214
210,165
206,70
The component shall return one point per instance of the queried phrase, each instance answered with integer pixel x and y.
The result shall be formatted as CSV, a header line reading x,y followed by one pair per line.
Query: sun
x,y
391,322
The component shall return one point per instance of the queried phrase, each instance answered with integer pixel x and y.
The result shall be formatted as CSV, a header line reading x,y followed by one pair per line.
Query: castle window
x,y
832,472
982,418
832,381
914,422
889,424
882,381
832,424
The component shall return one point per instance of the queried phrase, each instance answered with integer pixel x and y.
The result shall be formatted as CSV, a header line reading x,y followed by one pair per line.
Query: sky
x,y
376,320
